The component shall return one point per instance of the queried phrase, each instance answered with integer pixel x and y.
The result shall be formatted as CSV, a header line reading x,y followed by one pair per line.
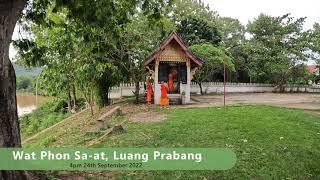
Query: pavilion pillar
x,y
188,87
157,90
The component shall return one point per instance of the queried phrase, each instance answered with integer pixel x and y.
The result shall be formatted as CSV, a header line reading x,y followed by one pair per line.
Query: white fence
x,y
127,89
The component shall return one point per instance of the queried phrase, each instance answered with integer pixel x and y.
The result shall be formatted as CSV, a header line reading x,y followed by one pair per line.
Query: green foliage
x,y
47,141
299,74
277,45
315,42
214,59
78,42
213,55
25,84
231,30
195,22
89,47
197,31
233,37
137,41
183,9
46,115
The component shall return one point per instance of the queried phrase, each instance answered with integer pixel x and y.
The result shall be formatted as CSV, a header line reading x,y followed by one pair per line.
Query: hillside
x,y
21,71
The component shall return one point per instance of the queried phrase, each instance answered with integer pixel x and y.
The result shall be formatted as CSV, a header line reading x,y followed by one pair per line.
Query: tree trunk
x,y
281,88
200,85
137,90
102,98
91,102
9,125
88,97
69,101
107,100
236,76
74,97
107,95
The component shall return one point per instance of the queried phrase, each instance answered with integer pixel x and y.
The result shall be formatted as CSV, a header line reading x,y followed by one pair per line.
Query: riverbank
x,y
28,102
48,113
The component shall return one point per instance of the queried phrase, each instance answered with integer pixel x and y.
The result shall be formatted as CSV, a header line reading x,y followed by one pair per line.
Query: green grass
x,y
46,115
270,143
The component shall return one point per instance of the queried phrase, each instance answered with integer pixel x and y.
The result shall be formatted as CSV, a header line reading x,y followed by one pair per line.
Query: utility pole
x,y
224,79
37,90
37,82
225,74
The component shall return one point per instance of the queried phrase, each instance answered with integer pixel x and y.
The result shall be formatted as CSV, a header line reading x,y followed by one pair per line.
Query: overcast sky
x,y
246,10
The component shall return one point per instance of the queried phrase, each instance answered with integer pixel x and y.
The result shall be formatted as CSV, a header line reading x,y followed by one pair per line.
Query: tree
x,y
233,36
25,83
182,9
231,30
93,13
196,31
315,47
277,45
195,22
315,42
53,47
214,59
299,75
98,31
137,40
10,11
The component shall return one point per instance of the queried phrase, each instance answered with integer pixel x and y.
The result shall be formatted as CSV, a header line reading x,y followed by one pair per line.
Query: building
x,y
172,60
314,69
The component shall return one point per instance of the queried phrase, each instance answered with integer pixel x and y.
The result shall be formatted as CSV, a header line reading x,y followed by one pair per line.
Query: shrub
x,y
25,84
46,115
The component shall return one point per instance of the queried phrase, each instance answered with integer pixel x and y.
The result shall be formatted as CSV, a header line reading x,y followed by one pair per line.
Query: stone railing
x,y
127,89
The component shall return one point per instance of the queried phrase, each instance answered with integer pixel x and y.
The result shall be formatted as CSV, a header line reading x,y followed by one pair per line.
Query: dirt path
x,y
298,101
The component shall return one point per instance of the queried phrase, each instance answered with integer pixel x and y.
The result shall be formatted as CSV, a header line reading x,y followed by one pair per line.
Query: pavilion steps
x,y
175,99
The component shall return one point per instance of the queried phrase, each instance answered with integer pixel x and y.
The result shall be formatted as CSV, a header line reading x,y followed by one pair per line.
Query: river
x,y
27,102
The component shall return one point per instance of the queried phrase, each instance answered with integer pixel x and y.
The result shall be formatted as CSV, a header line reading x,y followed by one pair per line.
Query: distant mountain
x,y
21,71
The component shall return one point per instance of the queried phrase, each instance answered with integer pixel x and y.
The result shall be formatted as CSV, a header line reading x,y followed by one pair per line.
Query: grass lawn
x,y
270,142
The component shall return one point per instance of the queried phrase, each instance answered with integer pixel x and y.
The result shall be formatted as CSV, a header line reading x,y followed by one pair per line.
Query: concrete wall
x,y
217,87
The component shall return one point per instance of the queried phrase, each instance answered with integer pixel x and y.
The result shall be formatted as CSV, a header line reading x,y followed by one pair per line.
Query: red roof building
x,y
313,69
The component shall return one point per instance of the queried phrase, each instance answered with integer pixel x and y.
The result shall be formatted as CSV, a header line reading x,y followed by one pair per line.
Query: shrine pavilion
x,y
173,60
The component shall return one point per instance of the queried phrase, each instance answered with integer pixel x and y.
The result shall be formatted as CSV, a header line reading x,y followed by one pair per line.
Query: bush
x,y
25,84
46,115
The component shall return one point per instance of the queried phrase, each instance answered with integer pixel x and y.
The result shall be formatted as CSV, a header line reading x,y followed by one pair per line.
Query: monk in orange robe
x,y
164,100
170,82
149,93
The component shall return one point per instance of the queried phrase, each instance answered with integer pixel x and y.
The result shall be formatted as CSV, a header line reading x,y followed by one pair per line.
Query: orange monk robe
x,y
149,93
164,100
170,82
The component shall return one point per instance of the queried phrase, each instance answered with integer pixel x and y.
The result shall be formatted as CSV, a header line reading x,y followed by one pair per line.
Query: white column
x,y
157,89
188,81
